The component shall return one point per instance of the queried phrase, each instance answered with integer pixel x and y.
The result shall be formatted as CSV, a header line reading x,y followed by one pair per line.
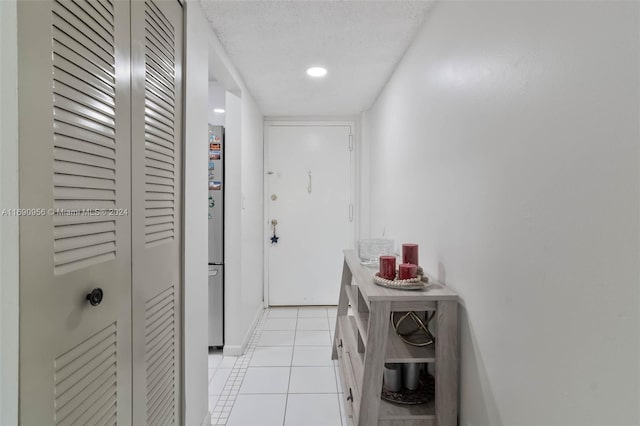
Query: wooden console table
x,y
364,342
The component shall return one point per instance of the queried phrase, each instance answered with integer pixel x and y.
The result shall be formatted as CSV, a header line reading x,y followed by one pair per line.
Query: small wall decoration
x,y
274,238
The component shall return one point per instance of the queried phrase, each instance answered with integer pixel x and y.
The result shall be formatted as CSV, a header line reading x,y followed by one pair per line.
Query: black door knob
x,y
95,297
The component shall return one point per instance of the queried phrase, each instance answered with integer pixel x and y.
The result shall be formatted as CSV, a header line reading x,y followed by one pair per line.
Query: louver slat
x,y
160,349
160,90
85,380
84,169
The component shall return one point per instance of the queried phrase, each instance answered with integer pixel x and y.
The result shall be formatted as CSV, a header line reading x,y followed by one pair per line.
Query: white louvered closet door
x,y
157,206
74,74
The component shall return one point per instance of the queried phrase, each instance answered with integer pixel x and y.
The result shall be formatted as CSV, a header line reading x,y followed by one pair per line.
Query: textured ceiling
x,y
272,43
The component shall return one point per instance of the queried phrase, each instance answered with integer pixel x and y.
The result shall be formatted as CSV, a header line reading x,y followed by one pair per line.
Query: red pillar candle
x,y
388,267
407,271
410,254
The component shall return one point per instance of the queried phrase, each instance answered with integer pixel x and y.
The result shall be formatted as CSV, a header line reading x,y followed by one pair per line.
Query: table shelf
x,y
366,340
391,411
397,350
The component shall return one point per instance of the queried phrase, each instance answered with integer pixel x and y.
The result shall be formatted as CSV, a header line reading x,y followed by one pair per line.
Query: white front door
x,y
309,193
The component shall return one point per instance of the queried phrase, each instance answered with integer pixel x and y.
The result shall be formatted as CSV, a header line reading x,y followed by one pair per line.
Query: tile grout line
x,y
286,400
231,390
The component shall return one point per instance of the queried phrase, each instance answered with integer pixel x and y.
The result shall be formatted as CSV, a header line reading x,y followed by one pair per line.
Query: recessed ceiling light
x,y
218,111
317,71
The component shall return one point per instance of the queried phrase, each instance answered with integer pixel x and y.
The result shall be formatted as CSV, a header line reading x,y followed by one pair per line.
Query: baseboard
x,y
207,419
238,350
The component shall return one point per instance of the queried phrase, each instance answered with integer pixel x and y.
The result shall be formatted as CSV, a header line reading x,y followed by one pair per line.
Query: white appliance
x,y
216,306
216,235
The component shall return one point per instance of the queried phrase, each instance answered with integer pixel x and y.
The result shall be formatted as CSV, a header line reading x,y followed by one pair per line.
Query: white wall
x,y
510,132
217,99
243,174
8,225
252,205
195,302
363,178
234,323
243,220
243,202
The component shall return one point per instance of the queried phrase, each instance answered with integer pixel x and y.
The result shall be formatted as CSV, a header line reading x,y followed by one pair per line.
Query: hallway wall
x,y
509,131
252,214
243,245
243,221
195,294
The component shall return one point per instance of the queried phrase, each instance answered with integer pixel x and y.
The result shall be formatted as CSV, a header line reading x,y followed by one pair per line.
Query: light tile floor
x,y
286,377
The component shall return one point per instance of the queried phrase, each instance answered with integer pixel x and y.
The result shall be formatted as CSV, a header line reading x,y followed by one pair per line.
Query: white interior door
x,y
156,179
309,195
100,152
75,357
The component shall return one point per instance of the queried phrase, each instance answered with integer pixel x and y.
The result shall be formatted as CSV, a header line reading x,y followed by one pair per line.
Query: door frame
x,y
353,184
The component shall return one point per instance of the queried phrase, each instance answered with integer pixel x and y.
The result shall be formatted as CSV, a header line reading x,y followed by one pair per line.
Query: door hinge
x,y
350,142
350,212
